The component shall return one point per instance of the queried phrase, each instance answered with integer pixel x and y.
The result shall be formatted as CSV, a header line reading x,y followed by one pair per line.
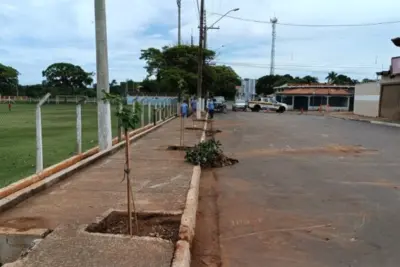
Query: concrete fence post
x,y
156,110
39,141
79,124
78,128
142,114
149,111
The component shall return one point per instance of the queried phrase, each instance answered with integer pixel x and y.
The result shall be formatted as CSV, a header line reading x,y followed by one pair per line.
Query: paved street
x,y
308,191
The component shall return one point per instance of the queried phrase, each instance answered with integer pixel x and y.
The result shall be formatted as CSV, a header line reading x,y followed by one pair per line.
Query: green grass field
x,y
18,136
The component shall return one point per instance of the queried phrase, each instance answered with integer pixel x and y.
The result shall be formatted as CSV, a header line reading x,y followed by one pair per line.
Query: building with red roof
x,y
316,96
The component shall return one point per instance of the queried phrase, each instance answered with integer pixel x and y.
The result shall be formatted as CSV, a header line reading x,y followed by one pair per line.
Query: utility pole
x,y
103,107
178,2
200,59
272,69
191,39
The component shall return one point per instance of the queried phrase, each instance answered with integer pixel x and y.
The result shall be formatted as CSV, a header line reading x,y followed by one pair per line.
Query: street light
x,y
224,15
212,25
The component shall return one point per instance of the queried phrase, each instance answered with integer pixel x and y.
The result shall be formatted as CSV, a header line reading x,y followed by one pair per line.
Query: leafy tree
x,y
8,80
331,78
310,79
69,78
266,84
343,79
170,64
367,80
225,82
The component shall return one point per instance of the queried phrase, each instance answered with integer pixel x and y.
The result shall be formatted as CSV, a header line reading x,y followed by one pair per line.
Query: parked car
x,y
219,104
267,103
239,104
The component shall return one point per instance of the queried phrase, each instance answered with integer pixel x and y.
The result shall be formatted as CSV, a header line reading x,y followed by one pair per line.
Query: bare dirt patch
x,y
150,224
222,161
24,223
330,149
211,132
179,148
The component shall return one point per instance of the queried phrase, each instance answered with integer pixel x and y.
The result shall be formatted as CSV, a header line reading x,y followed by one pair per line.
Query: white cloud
x,y
41,32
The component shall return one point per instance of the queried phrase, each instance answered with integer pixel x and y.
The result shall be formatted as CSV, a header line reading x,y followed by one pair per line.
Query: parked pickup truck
x,y
267,103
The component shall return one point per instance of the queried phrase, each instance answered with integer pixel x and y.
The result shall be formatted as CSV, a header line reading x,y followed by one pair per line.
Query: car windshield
x,y
219,99
240,101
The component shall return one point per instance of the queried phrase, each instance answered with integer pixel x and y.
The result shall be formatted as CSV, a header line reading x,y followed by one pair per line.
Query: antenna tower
x,y
274,20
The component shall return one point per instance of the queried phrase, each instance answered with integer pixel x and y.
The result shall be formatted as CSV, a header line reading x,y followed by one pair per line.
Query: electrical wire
x,y
298,66
196,2
313,25
287,68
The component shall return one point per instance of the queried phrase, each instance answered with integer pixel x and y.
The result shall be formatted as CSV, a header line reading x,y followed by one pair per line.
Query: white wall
x,y
366,99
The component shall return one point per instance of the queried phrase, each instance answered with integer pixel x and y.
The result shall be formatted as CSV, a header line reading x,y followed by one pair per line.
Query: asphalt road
x,y
308,191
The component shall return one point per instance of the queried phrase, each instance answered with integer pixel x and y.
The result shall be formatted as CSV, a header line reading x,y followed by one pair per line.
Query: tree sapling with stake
x,y
129,118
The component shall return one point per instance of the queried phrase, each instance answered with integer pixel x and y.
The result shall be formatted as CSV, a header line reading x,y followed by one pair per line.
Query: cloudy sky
x,y
37,33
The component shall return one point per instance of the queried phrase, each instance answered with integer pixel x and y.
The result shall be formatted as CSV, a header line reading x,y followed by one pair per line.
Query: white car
x,y
267,103
239,104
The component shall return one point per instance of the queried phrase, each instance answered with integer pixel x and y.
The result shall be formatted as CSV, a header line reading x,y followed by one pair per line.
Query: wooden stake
x,y
128,181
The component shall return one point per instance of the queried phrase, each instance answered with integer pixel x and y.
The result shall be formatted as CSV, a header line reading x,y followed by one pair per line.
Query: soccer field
x,y
18,136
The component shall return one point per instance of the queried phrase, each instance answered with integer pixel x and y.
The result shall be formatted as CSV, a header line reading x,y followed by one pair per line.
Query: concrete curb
x,y
21,195
182,255
369,121
386,123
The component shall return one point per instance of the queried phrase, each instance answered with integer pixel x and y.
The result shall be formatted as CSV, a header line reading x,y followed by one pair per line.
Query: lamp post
x,y
211,27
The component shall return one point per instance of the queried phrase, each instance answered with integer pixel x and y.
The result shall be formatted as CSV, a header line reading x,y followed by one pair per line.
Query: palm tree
x,y
332,76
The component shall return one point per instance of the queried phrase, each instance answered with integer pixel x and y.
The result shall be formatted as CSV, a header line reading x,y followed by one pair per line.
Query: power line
x,y
289,68
196,2
298,66
314,25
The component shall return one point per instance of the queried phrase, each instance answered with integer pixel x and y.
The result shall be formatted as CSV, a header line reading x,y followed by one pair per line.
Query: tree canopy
x,y
67,77
171,67
265,84
8,80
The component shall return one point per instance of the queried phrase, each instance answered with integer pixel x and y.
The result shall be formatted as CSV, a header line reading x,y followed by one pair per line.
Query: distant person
x,y
193,104
184,109
9,106
210,107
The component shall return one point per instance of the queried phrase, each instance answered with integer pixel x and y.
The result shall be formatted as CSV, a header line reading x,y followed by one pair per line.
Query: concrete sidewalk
x,y
161,181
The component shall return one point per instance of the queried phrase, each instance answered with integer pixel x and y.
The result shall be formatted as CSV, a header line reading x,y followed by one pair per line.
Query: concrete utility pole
x,y
211,27
200,60
272,69
178,2
103,107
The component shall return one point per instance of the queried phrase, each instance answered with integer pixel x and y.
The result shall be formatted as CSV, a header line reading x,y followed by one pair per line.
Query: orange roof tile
x,y
315,91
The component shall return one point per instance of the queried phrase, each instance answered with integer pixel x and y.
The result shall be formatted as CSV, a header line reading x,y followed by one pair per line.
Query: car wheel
x,y
257,108
281,110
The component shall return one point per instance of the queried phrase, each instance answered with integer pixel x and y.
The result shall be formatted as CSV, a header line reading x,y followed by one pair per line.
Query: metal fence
x,y
36,134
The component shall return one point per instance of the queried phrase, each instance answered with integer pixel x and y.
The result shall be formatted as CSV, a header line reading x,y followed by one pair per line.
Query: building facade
x,y
366,99
389,102
316,96
247,89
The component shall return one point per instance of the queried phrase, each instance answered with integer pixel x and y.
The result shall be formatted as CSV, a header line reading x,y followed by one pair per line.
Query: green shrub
x,y
205,153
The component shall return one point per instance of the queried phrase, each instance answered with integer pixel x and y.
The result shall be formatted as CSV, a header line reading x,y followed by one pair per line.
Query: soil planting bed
x,y
208,132
163,226
179,148
222,161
